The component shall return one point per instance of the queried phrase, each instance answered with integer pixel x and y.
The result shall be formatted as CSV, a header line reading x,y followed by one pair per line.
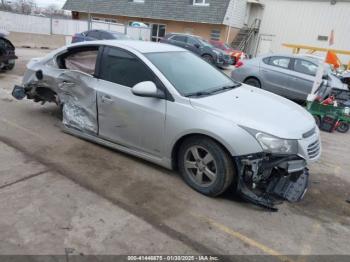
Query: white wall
x,y
235,13
46,26
24,23
300,22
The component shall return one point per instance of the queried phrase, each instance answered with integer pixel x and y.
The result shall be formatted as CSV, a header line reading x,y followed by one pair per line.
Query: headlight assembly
x,y
274,145
277,145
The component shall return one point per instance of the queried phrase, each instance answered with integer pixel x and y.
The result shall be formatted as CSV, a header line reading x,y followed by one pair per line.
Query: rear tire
x,y
208,58
253,82
9,67
205,165
343,128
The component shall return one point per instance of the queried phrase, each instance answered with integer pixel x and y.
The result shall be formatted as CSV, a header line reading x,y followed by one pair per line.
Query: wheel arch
x,y
253,77
180,140
206,53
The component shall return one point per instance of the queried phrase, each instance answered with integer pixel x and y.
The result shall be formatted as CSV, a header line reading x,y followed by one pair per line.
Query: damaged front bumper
x,y
267,180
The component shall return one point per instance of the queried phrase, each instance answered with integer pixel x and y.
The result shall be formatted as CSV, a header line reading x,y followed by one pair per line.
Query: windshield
x,y
204,42
190,74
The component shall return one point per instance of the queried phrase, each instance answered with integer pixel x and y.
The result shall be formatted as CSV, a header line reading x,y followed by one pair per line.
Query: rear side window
x,y
125,69
179,38
279,61
82,60
305,67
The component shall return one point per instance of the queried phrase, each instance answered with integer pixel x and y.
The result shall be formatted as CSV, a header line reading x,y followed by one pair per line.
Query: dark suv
x,y
199,46
7,53
95,34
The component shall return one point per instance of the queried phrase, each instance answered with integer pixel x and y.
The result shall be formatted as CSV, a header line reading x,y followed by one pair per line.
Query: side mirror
x,y
39,75
197,45
147,89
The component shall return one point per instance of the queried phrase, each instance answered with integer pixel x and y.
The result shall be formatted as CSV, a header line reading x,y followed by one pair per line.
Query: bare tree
x,y
5,6
25,6
52,9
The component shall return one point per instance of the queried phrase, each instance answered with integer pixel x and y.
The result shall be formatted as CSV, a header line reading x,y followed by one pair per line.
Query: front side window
x,y
192,41
280,61
123,68
305,67
190,74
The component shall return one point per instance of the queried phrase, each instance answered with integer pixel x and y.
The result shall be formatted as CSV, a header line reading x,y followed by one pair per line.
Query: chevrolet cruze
x,y
166,105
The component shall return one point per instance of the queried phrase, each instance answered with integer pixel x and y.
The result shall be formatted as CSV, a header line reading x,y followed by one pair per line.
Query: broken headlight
x,y
277,145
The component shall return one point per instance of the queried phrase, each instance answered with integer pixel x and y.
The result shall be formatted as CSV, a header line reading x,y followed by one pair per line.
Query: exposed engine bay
x,y
267,180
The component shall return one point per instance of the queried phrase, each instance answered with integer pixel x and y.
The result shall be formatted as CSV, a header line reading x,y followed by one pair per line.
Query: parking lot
x,y
62,192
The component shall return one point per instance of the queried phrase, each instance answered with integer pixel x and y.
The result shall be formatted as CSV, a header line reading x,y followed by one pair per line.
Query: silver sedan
x,y
290,76
168,106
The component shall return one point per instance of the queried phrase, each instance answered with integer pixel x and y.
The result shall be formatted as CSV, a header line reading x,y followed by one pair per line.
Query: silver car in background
x,y
290,76
166,105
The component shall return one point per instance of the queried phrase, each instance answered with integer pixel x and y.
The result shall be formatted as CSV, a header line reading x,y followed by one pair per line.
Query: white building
x,y
307,22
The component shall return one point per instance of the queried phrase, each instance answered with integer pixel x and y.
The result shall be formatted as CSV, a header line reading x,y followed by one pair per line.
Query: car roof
x,y
140,46
303,56
183,34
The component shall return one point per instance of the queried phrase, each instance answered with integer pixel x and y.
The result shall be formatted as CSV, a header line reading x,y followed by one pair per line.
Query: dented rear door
x,y
77,94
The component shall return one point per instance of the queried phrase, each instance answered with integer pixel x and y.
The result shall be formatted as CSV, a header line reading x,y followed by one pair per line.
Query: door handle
x,y
67,83
106,99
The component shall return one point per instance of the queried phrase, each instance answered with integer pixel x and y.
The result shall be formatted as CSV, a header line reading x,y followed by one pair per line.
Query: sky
x,y
45,3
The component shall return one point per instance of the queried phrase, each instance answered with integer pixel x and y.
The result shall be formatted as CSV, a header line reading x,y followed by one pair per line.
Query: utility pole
x,y
89,15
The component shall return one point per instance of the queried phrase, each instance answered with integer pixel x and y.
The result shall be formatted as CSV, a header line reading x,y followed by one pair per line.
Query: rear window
x,y
278,61
94,34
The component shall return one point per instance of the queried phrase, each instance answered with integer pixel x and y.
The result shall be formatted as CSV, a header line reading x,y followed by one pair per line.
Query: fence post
x,y
51,31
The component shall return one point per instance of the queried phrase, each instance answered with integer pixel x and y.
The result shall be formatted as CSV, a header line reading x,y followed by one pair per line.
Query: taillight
x,y
239,64
74,37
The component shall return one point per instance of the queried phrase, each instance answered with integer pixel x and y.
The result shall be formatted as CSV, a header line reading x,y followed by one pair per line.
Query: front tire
x,y
343,128
9,67
205,166
208,58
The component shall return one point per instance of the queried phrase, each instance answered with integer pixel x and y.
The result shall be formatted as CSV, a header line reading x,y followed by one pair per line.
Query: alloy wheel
x,y
200,166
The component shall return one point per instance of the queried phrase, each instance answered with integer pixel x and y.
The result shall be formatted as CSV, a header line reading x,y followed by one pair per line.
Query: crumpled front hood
x,y
336,82
260,110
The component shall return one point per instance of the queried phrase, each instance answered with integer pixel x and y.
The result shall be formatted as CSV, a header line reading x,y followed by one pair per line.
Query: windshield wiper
x,y
229,87
200,93
208,93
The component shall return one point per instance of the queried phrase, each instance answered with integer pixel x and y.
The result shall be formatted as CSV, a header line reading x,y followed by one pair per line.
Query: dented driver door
x,y
77,94
132,121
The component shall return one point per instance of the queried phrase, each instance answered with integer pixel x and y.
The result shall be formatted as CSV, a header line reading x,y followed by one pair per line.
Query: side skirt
x,y
106,143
